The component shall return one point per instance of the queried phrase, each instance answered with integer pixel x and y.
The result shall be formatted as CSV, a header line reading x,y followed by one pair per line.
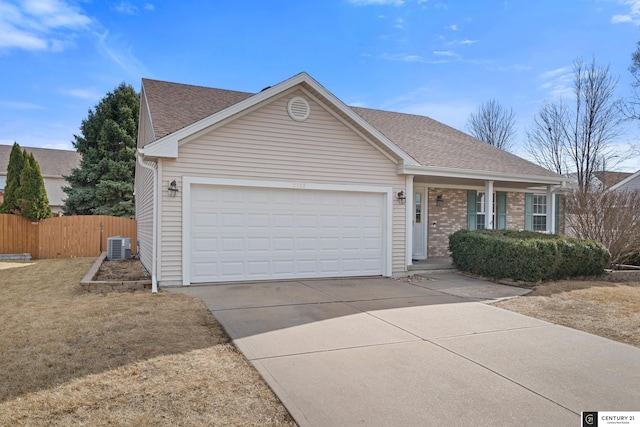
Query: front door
x,y
419,221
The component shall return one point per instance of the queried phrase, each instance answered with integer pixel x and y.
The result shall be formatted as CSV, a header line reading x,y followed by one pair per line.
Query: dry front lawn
x,y
70,358
611,310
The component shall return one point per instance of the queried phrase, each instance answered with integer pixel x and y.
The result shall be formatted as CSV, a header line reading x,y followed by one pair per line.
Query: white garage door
x,y
247,233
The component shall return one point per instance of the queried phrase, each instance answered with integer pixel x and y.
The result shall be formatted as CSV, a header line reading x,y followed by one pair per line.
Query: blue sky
x,y
58,58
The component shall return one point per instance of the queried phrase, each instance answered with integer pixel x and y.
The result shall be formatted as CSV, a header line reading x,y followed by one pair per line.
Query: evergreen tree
x,y
32,196
103,184
16,163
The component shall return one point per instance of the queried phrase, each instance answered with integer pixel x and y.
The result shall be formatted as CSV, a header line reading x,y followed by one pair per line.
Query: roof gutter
x,y
154,170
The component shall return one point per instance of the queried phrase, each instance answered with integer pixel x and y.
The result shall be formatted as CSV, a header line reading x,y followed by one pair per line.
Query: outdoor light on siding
x,y
401,197
439,200
173,189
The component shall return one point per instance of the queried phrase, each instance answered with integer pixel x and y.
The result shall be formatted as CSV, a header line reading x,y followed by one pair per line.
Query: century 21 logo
x,y
590,419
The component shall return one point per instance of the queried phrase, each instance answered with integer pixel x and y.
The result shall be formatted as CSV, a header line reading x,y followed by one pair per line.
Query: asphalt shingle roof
x,y
610,178
174,106
52,162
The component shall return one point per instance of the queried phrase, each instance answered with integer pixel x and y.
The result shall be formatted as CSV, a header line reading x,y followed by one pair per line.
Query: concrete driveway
x,y
385,352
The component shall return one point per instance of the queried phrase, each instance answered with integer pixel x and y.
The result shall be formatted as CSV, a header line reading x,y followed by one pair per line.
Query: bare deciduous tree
x,y
493,124
631,108
609,217
579,137
546,139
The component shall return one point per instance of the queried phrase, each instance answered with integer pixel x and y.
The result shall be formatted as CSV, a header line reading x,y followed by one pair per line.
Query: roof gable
x,y
632,182
167,146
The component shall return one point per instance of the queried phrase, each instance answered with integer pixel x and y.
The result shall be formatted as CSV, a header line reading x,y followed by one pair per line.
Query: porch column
x,y
409,206
551,209
488,205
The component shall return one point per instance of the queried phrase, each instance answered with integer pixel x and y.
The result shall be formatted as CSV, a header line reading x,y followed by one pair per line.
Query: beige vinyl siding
x,y
631,185
144,190
144,214
267,144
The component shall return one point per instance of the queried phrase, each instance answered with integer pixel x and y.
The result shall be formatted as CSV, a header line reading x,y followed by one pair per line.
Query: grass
x,y
610,310
71,358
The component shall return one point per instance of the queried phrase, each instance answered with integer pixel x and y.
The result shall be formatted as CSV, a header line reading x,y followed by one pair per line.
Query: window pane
x,y
480,203
540,223
480,225
539,204
418,208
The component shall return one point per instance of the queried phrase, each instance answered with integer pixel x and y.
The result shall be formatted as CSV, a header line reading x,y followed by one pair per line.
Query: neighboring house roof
x,y
611,178
53,163
424,144
630,183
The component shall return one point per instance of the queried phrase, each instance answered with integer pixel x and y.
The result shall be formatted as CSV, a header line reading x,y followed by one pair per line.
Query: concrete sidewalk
x,y
387,352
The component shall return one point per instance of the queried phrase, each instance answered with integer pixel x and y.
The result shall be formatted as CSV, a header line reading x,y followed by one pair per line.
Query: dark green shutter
x,y
528,211
502,209
472,221
557,214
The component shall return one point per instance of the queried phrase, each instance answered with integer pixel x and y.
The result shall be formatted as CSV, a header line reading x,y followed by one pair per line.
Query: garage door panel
x,y
259,244
264,233
259,268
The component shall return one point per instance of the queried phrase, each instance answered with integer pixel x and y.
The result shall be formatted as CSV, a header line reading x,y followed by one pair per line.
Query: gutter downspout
x,y
154,277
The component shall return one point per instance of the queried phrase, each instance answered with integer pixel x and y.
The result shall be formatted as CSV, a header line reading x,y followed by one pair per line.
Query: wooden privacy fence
x,y
63,237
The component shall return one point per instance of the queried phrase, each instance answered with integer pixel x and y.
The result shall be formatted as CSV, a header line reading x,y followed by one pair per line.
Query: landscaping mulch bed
x,y
124,270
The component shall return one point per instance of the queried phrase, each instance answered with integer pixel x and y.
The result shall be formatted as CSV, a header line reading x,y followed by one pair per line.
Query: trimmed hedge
x,y
526,255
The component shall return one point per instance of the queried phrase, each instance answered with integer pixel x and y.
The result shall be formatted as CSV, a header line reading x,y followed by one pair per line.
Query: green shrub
x,y
526,255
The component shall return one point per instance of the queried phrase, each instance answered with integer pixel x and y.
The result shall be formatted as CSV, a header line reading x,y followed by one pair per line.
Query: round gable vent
x,y
298,108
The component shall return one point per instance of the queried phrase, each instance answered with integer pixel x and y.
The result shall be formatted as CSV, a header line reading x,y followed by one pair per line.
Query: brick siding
x,y
452,216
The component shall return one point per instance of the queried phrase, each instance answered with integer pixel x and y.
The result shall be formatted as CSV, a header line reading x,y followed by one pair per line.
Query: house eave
x,y
442,172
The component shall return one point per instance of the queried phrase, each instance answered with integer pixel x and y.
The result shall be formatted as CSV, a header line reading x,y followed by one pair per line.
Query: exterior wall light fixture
x,y
439,200
401,197
173,189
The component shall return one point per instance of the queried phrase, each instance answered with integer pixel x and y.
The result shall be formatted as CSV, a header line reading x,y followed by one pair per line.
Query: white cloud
x,y
633,16
399,23
554,73
377,2
453,27
445,53
466,42
126,8
39,24
149,7
121,55
619,19
20,105
11,37
403,57
88,94
557,83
